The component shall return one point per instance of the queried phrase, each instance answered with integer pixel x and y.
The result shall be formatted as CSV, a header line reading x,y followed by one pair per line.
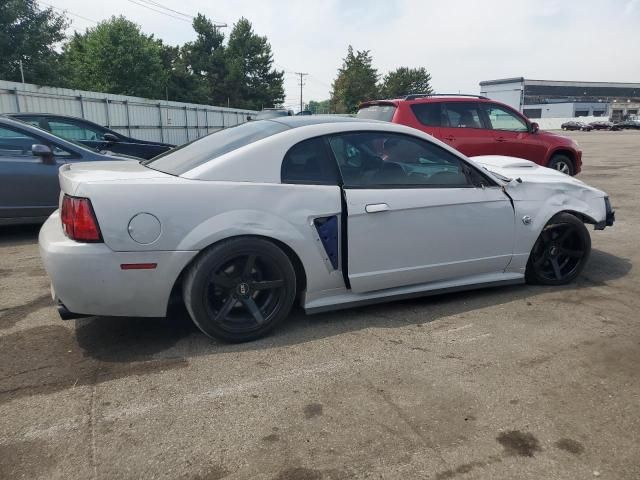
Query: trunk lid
x,y
72,175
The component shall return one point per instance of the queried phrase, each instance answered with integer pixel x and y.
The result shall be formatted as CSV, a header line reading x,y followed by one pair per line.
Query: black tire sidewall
x,y
560,157
531,275
197,280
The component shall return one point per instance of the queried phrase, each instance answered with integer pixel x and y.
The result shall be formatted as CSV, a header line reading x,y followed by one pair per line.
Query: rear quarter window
x,y
429,114
191,155
377,112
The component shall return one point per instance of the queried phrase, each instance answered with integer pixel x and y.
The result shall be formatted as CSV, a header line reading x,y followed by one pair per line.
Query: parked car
x,y
575,125
628,125
268,113
476,125
335,212
92,135
29,163
604,125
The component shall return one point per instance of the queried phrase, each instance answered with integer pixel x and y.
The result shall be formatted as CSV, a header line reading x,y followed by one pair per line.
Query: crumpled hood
x,y
533,175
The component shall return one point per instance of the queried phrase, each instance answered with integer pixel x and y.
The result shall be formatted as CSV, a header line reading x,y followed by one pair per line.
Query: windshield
x,y
193,154
377,112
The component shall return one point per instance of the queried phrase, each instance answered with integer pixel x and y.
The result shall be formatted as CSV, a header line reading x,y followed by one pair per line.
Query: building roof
x,y
572,83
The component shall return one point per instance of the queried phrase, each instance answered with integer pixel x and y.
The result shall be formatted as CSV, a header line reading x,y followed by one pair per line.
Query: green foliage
x,y
355,83
29,34
116,57
405,81
323,106
251,81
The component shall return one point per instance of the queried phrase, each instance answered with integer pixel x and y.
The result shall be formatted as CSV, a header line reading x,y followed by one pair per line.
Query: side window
x,y
463,115
14,143
35,121
382,159
74,131
502,119
309,162
428,114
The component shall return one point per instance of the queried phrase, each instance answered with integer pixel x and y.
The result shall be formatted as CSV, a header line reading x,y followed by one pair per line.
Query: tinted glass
x,y
35,121
428,114
15,144
377,112
74,131
463,115
387,159
193,154
309,162
502,119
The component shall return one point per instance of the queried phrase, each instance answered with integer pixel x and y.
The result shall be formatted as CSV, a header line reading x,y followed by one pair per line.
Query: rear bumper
x,y
86,278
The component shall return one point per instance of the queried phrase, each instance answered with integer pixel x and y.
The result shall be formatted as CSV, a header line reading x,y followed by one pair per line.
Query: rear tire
x,y
560,253
562,163
240,289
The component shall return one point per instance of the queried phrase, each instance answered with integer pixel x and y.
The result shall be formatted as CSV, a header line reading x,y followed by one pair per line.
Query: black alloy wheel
x,y
240,289
561,251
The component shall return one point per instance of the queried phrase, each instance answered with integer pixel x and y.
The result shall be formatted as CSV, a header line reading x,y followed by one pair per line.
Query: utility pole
x,y
21,71
302,75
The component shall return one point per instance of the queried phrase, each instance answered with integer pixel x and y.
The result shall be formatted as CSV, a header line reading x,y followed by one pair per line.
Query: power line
x,y
159,5
144,5
64,10
218,23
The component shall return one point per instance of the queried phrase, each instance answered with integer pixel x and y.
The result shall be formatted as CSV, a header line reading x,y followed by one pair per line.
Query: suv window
x,y
382,159
502,119
377,112
462,115
74,131
309,162
428,114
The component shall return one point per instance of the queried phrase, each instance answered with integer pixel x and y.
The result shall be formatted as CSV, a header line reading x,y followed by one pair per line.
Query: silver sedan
x,y
328,212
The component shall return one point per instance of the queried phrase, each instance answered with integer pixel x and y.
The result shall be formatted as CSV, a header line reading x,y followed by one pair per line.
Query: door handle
x,y
501,139
450,138
377,207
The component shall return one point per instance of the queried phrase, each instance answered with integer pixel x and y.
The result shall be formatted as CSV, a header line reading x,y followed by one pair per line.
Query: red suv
x,y
476,126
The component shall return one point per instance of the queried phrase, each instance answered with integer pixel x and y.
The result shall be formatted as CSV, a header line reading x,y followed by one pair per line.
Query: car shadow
x,y
139,339
19,234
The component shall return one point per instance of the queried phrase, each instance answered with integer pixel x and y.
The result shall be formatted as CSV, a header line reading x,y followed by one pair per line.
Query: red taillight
x,y
78,220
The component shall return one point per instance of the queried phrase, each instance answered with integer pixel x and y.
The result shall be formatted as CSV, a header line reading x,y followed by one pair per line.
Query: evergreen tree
x,y
405,81
355,83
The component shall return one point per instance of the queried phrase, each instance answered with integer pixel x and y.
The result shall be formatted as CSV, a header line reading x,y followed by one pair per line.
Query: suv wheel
x,y
562,163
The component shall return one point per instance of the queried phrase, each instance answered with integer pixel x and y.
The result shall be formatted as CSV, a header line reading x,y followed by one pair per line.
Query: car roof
x,y
306,120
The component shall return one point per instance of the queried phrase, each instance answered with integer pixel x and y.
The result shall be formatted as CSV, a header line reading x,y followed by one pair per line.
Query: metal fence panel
x,y
155,120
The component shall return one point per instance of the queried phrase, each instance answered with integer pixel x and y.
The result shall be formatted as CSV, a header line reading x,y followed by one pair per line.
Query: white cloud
x,y
461,42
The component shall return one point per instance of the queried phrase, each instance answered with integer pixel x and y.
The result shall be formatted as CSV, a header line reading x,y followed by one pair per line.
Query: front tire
x,y
560,253
240,289
562,163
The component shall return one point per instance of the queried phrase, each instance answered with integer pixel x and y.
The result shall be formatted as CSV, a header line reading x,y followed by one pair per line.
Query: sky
x,y
460,42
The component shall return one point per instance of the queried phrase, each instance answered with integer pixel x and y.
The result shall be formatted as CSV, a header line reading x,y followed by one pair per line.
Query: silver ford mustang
x,y
331,212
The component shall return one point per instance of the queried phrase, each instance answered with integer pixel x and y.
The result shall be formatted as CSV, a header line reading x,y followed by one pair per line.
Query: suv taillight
x,y
78,220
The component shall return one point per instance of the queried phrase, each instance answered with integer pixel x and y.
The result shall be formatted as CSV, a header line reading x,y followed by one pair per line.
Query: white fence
x,y
156,120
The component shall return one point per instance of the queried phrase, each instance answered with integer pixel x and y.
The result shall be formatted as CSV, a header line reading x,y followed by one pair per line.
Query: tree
x,y
30,35
251,81
405,81
355,83
323,106
116,57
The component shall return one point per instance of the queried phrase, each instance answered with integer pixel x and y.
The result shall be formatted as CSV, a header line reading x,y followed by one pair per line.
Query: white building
x,y
564,99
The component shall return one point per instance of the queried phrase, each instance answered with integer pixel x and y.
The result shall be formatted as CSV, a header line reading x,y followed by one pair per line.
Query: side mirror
x,y
535,127
249,118
110,137
42,151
